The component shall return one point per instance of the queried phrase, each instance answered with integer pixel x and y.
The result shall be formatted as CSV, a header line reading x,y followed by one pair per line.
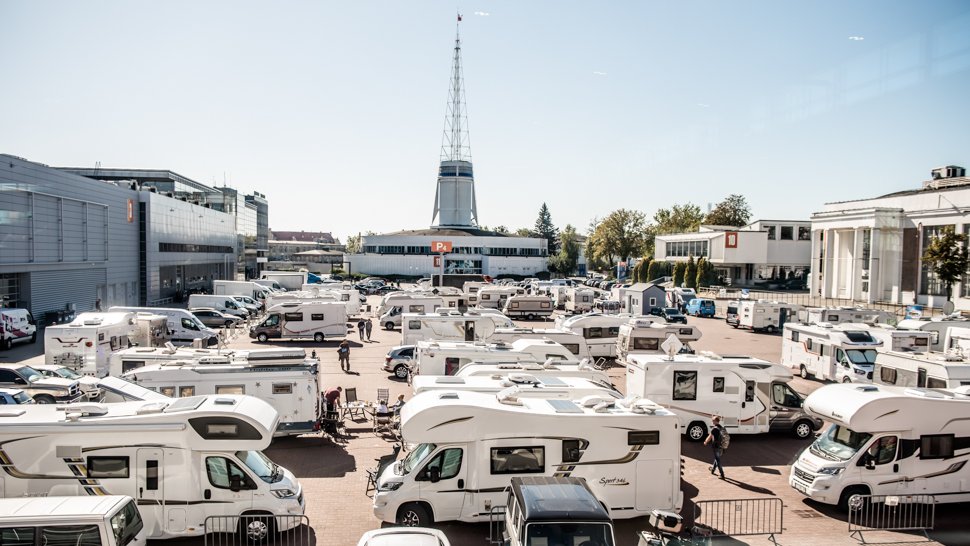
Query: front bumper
x,y
822,488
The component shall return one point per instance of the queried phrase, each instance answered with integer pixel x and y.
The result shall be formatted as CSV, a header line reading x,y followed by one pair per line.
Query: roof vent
x,y
448,396
594,400
224,401
152,407
523,378
924,393
85,409
509,396
867,388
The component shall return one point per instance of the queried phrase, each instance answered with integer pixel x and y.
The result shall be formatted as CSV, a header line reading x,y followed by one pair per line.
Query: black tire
x,y
413,515
846,501
318,337
696,431
803,372
5,344
44,399
803,429
735,324
33,337
530,316
256,529
401,371
388,325
262,338
229,323
772,330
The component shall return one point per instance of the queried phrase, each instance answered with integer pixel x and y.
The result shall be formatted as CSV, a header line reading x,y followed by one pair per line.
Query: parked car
x,y
44,390
398,361
381,290
701,307
14,396
214,318
672,314
404,536
89,385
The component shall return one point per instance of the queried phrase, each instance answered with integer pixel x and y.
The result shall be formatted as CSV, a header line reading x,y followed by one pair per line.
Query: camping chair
x,y
383,394
382,463
382,421
354,407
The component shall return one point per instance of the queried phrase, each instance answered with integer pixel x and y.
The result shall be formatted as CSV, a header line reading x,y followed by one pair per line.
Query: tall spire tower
x,y
454,200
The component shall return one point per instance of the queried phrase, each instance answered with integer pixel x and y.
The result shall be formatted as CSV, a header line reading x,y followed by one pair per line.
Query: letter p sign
x,y
440,246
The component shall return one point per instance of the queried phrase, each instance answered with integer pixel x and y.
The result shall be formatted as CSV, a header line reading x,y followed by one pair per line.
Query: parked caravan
x,y
225,304
251,289
125,361
645,336
320,321
930,370
494,297
765,316
181,461
558,294
838,315
752,396
16,325
731,313
679,296
599,330
469,445
183,327
579,300
450,297
894,339
541,507
528,307
111,520
445,325
885,440
936,327
551,368
115,389
447,357
349,296
290,280
85,344
567,338
151,330
289,385
517,385
839,353
399,304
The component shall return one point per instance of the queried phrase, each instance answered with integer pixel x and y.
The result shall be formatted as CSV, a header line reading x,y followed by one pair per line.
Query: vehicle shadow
x,y
747,449
302,455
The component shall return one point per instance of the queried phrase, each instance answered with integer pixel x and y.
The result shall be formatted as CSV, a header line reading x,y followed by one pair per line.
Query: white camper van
x,y
765,316
319,321
528,307
494,297
579,300
85,344
125,361
645,336
111,520
752,396
447,357
937,328
225,304
838,315
251,289
399,304
181,461
600,330
450,325
184,327
16,325
469,445
567,338
885,441
931,370
839,353
518,385
550,368
894,339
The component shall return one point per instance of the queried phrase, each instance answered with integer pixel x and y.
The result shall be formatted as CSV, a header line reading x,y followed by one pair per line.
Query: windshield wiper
x,y
822,453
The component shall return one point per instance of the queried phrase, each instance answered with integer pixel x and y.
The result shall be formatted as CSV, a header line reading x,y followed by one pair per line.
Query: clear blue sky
x,y
335,110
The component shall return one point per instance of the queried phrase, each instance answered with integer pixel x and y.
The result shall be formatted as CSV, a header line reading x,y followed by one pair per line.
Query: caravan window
x,y
230,389
718,384
935,383
185,392
782,395
167,391
614,331
544,305
643,438
414,324
749,391
282,388
685,385
316,316
107,467
794,336
128,365
518,460
416,308
571,451
295,317
936,446
221,472
887,375
486,297
572,347
646,344
592,333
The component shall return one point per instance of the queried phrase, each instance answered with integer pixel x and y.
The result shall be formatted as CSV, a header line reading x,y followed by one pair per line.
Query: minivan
x,y
110,520
701,307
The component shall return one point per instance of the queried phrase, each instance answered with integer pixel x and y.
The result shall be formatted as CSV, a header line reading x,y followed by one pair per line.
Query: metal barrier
x,y
739,517
264,530
496,525
891,513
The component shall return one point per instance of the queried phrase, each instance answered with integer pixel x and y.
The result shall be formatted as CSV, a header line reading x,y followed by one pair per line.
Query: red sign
x,y
731,239
131,211
440,246
437,261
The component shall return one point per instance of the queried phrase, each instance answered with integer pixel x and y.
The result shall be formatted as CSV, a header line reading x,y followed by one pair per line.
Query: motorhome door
x,y
469,330
150,494
880,467
442,482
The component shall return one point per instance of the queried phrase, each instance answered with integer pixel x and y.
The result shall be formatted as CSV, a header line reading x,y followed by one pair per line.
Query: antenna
x,y
455,142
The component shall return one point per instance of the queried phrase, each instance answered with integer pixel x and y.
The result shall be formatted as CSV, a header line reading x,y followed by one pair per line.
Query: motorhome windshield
x,y
267,470
560,532
840,443
30,374
861,356
416,456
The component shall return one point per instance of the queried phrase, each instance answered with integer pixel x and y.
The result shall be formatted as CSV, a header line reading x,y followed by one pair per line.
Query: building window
x,y
866,247
771,232
787,233
804,233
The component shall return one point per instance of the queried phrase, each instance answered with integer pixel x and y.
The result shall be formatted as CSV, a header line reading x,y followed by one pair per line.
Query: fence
x,y
891,513
496,525
739,517
808,300
265,530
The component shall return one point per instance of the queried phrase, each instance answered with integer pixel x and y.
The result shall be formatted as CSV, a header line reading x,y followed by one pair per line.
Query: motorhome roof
x,y
549,498
745,365
883,408
44,507
96,319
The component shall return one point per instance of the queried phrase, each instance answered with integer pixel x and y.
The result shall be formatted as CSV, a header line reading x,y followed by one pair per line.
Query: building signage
x,y
131,211
437,261
440,246
731,239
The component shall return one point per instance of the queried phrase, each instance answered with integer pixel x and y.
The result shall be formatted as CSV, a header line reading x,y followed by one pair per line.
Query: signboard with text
x,y
437,261
441,246
731,239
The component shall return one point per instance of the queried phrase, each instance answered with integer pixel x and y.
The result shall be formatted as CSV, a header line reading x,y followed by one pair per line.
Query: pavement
x,y
333,473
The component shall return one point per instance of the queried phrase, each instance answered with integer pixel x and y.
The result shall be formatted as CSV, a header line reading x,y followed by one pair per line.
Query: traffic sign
x,y
440,246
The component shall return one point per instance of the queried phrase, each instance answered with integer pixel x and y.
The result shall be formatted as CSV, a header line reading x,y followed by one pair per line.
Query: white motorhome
x,y
838,315
567,338
551,368
289,385
115,389
85,344
579,300
151,330
183,327
678,297
839,353
469,445
225,304
494,297
937,327
125,361
450,325
111,520
519,385
558,294
181,461
528,307
320,321
447,357
600,330
931,370
349,296
645,336
765,316
894,339
399,304
252,289
752,396
16,325
885,440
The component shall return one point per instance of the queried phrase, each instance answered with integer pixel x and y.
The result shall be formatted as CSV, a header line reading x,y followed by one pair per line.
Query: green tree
x,y
353,244
948,257
690,273
569,249
497,229
706,274
677,219
644,270
733,211
525,232
680,268
546,230
620,235
653,270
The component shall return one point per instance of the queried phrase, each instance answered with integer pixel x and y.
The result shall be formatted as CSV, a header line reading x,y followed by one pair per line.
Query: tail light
x,y
387,359
89,344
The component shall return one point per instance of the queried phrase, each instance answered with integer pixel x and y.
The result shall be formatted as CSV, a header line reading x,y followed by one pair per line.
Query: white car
x,y
89,385
404,536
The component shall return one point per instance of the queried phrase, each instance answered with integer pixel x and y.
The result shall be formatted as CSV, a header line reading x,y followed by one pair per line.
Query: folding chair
x,y
382,463
382,421
383,394
353,405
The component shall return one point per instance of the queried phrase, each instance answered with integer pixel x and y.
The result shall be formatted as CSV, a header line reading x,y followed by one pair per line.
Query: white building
x,y
870,250
765,253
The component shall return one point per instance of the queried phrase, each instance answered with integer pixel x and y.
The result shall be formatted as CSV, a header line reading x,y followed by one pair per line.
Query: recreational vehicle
x,y
838,315
567,338
599,330
679,297
254,290
290,280
551,368
885,440
111,520
115,389
445,325
936,327
931,370
225,304
645,336
151,330
558,294
468,446
528,307
447,357
894,339
494,297
765,316
752,396
541,507
579,300
399,305
181,461
319,321
183,327
85,344
839,353
349,296
125,361
16,325
518,385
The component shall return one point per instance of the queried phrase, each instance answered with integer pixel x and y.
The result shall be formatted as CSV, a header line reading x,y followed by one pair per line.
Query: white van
x,y
764,315
451,325
398,305
930,370
16,325
829,352
447,357
320,321
885,441
184,327
222,303
528,307
646,335
85,344
111,520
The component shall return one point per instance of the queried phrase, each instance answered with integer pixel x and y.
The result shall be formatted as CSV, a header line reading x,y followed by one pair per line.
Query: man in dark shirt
x,y
332,398
714,440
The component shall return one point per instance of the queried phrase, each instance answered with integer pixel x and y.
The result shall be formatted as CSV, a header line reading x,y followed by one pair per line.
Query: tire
x,y
44,399
5,344
846,501
735,325
262,338
229,323
318,337
401,371
388,325
772,330
256,530
413,515
530,316
696,431
803,429
803,372
33,337
847,379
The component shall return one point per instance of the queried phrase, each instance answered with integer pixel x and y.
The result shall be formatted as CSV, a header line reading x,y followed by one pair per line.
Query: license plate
x,y
800,488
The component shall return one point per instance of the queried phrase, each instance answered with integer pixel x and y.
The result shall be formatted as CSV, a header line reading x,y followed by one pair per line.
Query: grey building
x,y
641,298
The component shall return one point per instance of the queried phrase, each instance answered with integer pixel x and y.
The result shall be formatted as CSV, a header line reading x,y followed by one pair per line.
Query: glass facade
x,y
688,248
929,282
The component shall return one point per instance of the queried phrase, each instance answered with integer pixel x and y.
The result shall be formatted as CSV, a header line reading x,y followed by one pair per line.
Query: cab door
x,y
880,467
442,483
226,487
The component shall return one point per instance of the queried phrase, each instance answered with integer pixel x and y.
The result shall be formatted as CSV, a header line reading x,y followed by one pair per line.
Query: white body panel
x,y
87,342
599,330
646,335
829,353
766,315
528,307
838,315
579,300
184,328
447,357
450,326
315,320
931,370
290,280
557,368
494,297
572,341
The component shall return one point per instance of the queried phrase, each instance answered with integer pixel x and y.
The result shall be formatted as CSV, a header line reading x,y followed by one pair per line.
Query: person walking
x,y
368,326
343,352
715,439
360,328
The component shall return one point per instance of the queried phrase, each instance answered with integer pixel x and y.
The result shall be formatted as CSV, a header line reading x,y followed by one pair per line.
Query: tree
x,y
680,268
647,261
948,256
353,244
546,230
733,211
525,232
706,274
569,249
690,273
635,272
677,219
497,229
620,235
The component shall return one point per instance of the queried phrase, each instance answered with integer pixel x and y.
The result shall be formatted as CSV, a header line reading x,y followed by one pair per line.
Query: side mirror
x,y
235,484
434,475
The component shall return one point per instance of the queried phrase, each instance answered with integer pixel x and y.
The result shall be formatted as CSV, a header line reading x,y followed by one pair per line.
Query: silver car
x,y
398,361
214,318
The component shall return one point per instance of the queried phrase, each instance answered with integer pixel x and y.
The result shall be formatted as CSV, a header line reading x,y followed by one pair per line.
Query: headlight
x,y
830,471
283,493
390,486
860,372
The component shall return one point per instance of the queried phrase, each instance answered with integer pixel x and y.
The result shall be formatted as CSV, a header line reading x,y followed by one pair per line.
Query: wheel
x,y
530,316
803,372
413,515
735,325
388,325
318,337
33,337
851,498
256,529
44,399
228,323
772,330
401,371
5,344
697,431
263,338
847,379
803,429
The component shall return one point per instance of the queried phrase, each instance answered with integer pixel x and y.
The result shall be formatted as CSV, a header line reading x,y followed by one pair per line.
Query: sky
x,y
335,110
